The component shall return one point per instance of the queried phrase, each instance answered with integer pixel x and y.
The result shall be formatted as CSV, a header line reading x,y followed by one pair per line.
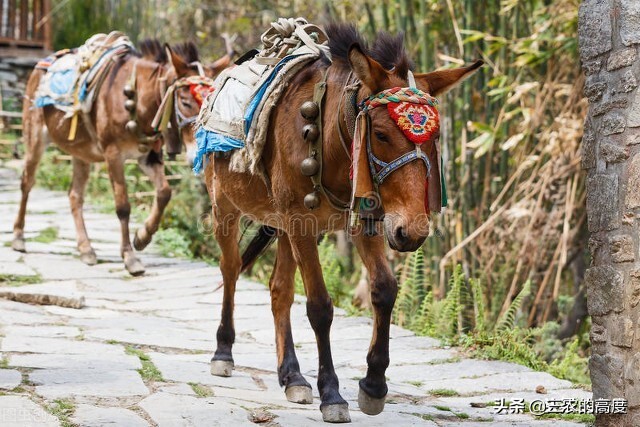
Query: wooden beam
x,y
24,19
48,39
12,19
1,17
36,33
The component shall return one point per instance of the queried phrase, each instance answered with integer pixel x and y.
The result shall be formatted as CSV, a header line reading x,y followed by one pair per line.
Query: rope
x,y
398,94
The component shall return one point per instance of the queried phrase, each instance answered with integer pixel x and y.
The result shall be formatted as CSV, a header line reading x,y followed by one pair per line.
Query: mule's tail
x,y
263,239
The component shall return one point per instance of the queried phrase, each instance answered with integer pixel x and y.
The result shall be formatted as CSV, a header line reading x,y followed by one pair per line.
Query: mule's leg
x,y
155,172
115,165
76,200
384,288
282,286
226,219
35,145
320,312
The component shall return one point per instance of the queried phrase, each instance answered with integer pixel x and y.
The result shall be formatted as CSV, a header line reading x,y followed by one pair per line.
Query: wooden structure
x,y
24,25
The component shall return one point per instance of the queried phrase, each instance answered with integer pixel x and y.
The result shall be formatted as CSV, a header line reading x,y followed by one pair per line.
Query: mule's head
x,y
183,63
403,192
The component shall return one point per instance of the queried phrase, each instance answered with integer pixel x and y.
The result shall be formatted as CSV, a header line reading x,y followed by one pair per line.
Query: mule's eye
x,y
381,137
185,104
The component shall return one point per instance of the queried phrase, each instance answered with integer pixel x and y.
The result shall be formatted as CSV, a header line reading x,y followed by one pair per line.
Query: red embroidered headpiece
x,y
414,111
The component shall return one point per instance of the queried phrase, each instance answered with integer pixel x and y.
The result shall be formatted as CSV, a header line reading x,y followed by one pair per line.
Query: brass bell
x,y
310,132
309,110
128,91
143,148
311,201
309,166
132,126
130,105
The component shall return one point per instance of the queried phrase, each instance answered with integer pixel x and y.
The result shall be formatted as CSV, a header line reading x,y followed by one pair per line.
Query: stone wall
x,y
14,72
609,37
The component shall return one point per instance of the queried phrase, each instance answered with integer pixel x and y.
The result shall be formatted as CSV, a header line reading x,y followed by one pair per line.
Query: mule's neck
x,y
148,84
337,152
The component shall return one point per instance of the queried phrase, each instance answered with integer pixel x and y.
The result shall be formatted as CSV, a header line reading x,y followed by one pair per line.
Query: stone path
x,y
138,353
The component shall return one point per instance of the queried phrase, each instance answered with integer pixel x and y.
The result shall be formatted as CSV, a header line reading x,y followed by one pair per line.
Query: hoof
x,y
336,413
133,265
370,405
221,368
299,394
141,239
18,245
89,257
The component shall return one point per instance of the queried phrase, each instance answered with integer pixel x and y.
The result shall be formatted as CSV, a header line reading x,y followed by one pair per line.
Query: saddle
x,y
236,116
73,77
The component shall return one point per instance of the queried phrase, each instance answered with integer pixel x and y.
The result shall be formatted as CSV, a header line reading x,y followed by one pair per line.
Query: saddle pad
x,y
68,83
236,116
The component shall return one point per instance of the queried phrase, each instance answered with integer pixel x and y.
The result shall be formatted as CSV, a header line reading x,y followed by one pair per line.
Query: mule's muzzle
x,y
401,241
404,235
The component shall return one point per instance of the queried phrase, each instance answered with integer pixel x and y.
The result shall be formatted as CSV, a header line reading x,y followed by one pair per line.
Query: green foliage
x,y
508,319
18,280
412,291
172,243
62,409
46,235
149,371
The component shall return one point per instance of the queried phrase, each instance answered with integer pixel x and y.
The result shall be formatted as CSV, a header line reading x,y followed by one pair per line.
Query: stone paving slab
x,y
137,353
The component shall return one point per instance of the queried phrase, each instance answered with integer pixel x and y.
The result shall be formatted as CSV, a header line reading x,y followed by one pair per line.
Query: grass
x,y
201,390
47,235
443,392
588,419
62,409
4,363
149,371
442,408
19,280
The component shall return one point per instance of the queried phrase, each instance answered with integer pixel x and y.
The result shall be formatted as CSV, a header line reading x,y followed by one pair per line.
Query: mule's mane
x,y
387,49
153,50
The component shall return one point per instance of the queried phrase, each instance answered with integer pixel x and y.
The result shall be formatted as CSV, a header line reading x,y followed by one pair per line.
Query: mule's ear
x,y
179,65
439,82
370,72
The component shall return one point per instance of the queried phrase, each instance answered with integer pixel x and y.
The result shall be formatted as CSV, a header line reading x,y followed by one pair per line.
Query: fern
x,y
478,306
424,324
411,292
448,324
508,319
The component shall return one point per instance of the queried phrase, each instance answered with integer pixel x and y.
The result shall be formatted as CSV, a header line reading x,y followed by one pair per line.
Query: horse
x,y
119,127
281,200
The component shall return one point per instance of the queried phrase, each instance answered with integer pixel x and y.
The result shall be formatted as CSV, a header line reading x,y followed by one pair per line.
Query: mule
x,y
107,139
279,204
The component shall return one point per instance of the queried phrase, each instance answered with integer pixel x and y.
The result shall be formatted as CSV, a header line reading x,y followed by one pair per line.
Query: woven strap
x,y
398,94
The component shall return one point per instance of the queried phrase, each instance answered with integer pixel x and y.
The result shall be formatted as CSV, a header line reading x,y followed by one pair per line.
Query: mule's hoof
x,y
221,368
133,265
337,413
18,245
141,239
299,394
89,257
370,405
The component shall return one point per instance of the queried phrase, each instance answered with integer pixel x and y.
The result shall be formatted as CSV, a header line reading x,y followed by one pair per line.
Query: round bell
x,y
132,126
128,91
309,166
309,110
310,132
130,105
143,148
311,201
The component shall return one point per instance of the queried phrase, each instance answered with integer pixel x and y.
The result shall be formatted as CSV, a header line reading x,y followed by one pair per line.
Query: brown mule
x,y
281,207
154,70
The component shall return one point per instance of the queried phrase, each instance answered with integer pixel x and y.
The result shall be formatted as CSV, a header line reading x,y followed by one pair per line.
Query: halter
x,y
199,86
390,97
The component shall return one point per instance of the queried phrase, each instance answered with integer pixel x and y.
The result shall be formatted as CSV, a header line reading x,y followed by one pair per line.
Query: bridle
x,y
199,86
379,168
